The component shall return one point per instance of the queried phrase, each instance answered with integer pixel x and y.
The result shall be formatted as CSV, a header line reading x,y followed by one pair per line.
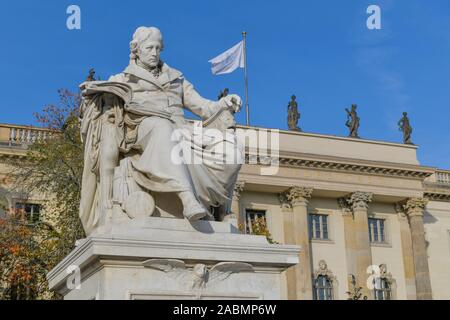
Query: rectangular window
x,y
382,289
29,211
318,226
377,230
323,288
250,217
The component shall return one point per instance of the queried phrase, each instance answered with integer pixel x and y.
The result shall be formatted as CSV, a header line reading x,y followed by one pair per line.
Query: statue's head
x,y
354,107
146,46
293,97
405,114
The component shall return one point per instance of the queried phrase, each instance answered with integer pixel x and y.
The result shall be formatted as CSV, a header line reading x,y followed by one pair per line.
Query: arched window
x,y
323,282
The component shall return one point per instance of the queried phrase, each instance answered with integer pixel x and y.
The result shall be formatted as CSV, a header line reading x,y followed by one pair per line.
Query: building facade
x,y
14,140
366,214
370,219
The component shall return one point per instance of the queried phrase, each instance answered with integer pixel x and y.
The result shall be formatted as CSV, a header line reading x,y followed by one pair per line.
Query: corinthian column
x,y
414,209
407,252
298,200
350,241
359,202
235,208
289,238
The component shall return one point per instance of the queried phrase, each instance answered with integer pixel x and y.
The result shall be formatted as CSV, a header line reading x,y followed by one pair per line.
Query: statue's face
x,y
322,265
149,53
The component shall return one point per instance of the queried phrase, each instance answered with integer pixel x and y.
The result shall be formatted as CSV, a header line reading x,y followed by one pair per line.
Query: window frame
x,y
312,227
385,291
328,290
384,226
29,218
259,213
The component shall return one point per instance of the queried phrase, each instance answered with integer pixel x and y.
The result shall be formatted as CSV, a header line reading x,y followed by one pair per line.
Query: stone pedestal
x,y
162,258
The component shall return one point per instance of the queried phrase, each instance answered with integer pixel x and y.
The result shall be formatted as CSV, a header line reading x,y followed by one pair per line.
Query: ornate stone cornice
x,y
238,188
12,154
298,195
434,196
360,200
381,170
414,207
437,191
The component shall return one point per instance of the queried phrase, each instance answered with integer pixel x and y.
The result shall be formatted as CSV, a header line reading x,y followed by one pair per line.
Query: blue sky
x,y
319,50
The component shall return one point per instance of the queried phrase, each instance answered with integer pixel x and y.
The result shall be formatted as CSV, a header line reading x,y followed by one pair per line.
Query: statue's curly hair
x,y
140,35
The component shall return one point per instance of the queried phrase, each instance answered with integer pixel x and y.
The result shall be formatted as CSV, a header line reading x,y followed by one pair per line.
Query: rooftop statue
x,y
133,125
91,76
352,121
406,128
223,93
293,114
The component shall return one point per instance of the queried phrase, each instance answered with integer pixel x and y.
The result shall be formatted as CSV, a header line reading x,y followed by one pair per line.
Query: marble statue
x,y
406,128
352,122
132,124
154,183
293,114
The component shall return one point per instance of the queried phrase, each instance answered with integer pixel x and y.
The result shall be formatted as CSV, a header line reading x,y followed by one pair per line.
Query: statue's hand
x,y
233,101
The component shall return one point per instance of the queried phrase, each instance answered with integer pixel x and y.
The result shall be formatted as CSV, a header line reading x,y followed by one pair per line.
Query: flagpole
x,y
247,112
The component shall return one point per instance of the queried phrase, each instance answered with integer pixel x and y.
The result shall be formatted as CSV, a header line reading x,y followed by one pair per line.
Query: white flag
x,y
229,61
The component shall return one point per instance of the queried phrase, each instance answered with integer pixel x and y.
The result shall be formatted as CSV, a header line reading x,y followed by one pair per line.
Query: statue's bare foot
x,y
192,209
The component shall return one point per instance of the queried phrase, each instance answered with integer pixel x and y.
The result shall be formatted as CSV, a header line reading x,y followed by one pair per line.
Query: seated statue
x,y
137,141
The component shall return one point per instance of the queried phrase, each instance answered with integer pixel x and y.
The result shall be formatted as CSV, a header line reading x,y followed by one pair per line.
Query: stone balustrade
x,y
440,177
14,135
443,177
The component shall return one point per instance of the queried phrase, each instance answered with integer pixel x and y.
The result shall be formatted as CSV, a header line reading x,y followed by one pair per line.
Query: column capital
x,y
414,207
285,203
296,196
360,200
238,188
345,206
399,208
